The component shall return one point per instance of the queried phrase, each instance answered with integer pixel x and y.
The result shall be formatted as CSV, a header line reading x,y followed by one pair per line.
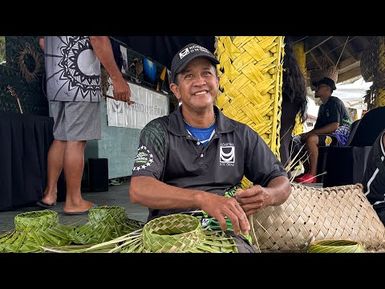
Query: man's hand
x,y
220,207
253,199
121,90
103,50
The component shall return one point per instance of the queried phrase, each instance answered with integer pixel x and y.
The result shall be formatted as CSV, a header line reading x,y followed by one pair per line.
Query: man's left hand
x,y
253,199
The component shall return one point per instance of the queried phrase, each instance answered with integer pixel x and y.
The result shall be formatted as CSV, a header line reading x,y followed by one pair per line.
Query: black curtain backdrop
x,y
163,48
24,144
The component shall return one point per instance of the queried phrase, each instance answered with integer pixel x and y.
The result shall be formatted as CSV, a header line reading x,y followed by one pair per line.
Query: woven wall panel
x,y
23,72
379,98
298,126
373,69
250,73
368,62
312,214
299,52
379,79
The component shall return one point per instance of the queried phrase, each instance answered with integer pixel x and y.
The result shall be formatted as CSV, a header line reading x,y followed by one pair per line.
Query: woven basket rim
x,y
335,243
32,231
31,220
158,220
196,237
103,212
36,214
104,223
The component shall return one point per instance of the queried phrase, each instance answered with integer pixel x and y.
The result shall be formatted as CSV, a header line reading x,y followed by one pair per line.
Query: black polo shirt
x,y
333,110
168,153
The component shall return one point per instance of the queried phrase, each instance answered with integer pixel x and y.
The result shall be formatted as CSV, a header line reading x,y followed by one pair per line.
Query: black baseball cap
x,y
185,55
326,80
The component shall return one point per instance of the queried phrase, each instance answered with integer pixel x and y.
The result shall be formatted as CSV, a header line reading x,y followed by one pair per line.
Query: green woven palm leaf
x,y
34,230
105,223
176,233
180,233
212,224
335,246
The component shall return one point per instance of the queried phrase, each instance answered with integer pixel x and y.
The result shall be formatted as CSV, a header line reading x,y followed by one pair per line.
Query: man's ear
x,y
175,90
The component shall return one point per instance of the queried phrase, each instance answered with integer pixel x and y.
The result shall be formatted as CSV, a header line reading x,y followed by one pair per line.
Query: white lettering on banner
x,y
148,105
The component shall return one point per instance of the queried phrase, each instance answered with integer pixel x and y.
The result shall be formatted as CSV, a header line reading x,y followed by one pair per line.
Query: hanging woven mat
x,y
250,77
34,230
312,214
105,223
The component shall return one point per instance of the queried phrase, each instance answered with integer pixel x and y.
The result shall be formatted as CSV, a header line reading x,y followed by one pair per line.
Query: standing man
x,y
73,79
331,128
188,159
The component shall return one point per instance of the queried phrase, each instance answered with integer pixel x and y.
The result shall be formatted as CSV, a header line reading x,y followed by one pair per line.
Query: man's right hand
x,y
220,207
121,90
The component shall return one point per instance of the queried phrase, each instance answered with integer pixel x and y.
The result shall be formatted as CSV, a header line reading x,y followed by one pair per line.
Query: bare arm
x,y
257,197
155,194
103,50
329,128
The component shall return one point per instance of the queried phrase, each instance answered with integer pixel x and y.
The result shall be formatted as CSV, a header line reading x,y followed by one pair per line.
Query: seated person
x,y
188,159
331,128
374,176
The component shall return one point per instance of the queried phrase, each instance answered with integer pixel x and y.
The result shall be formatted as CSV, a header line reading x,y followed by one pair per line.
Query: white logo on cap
x,y
184,52
191,49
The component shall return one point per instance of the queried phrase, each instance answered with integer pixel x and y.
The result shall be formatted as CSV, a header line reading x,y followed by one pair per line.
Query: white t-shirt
x,y
72,69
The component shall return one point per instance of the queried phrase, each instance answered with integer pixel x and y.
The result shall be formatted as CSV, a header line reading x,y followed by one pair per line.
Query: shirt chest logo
x,y
227,155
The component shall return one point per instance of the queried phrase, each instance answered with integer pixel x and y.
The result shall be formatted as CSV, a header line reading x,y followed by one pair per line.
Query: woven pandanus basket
x,y
312,214
34,230
176,233
104,223
180,233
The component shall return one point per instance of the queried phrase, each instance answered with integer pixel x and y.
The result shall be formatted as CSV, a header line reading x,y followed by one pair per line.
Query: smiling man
x,y
187,160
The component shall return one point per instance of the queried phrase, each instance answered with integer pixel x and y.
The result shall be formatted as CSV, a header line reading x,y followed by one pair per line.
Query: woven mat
x,y
312,214
250,77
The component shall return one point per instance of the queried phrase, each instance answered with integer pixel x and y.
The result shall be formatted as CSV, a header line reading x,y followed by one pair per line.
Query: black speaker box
x,y
98,175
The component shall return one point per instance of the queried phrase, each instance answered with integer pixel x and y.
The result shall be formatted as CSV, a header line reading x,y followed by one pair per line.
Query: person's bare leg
x,y
73,170
54,168
312,146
